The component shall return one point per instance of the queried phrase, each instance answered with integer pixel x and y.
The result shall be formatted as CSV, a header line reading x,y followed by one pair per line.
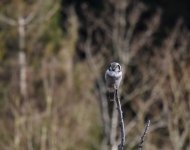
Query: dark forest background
x,y
53,55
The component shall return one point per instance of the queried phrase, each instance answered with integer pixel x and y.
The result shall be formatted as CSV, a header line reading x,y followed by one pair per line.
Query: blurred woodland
x,y
53,55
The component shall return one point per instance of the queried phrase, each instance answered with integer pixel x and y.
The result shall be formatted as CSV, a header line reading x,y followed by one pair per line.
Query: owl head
x,y
114,66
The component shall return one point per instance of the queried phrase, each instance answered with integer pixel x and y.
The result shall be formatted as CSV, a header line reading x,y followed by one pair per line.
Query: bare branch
x,y
122,129
23,75
7,20
22,33
51,13
34,13
140,146
113,128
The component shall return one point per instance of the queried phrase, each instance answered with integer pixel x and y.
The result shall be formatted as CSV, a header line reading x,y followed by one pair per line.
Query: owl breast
x,y
112,80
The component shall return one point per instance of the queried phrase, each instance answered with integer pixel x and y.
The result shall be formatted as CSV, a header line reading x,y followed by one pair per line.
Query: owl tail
x,y
111,95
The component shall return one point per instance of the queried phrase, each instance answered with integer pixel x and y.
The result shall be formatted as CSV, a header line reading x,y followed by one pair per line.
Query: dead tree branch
x,y
140,145
122,129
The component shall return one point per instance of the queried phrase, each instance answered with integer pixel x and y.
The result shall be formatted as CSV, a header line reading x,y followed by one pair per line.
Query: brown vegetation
x,y
52,93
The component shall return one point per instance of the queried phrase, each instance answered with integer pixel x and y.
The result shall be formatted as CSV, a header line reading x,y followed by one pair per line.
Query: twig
x,y
122,129
7,20
143,136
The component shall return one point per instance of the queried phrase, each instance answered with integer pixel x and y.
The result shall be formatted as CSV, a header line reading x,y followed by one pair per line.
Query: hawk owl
x,y
113,78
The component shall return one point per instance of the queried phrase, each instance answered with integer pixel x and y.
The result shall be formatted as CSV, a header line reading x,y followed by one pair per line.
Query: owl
x,y
113,77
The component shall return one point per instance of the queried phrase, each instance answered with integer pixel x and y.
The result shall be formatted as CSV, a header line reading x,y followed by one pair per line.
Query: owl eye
x,y
119,67
110,68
